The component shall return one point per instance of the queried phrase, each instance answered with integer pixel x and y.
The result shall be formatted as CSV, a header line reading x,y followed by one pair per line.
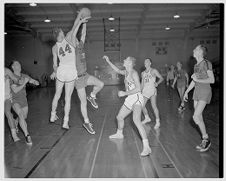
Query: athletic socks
x,y
53,117
157,124
65,124
14,135
93,95
146,148
118,135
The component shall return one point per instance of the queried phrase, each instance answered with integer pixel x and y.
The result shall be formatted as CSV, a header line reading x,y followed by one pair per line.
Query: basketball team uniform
x,y
202,90
149,88
7,88
134,99
181,78
170,76
66,72
8,95
21,96
81,66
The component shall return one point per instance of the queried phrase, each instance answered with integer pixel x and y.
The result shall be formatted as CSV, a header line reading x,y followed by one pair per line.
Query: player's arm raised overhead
x,y
83,37
113,66
71,35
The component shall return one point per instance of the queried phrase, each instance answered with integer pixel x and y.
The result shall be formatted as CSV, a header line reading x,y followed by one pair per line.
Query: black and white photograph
x,y
112,89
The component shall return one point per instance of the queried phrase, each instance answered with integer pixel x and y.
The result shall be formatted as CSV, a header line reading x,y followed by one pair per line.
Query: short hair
x,y
204,50
56,32
133,60
149,59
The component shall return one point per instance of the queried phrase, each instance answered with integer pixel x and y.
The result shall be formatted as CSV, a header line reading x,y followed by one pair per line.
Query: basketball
x,y
85,12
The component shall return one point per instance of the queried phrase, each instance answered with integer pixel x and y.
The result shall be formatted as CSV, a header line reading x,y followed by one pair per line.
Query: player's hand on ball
x,y
53,76
85,20
121,93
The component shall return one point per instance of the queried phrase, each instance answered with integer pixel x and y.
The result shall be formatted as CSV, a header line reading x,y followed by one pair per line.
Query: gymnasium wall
x,y
29,51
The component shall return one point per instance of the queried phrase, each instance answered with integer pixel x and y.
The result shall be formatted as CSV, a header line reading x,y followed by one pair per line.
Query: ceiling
x,y
135,19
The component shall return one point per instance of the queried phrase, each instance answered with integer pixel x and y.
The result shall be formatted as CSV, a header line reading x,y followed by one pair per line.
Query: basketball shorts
x,y
148,92
22,101
81,81
202,93
66,73
135,99
8,105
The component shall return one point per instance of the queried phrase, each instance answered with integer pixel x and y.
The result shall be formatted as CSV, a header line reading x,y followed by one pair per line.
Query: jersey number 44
x,y
67,49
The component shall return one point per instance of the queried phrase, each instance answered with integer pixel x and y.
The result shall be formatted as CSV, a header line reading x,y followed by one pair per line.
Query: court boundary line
x,y
138,150
167,154
149,108
42,158
98,144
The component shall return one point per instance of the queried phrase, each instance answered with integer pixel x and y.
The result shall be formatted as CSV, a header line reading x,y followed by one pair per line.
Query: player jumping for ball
x,y
66,72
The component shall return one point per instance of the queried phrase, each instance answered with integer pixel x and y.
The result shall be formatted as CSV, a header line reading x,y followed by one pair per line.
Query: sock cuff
x,y
93,95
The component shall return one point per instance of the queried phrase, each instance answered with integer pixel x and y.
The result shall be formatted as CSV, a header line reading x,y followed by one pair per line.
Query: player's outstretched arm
x,y
113,66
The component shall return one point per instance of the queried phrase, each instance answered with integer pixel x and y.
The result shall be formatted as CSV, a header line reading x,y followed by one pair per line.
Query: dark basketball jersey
x,y
80,58
200,69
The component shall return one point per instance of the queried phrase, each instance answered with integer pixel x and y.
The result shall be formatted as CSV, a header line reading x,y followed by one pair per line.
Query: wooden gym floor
x,y
57,153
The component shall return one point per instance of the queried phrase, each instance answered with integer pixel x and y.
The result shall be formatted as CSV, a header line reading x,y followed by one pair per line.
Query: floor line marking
x,y
42,158
167,155
98,144
138,150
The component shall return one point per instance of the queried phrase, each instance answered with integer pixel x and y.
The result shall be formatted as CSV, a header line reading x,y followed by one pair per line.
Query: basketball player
x,y
202,78
84,79
19,97
149,91
170,76
66,72
133,103
9,76
181,78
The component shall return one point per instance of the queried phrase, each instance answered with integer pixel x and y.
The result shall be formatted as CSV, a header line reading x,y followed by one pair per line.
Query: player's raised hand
x,y
85,20
106,58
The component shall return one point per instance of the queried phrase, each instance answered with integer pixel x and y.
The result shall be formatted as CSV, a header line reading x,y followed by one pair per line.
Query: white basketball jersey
x,y
66,53
129,84
149,79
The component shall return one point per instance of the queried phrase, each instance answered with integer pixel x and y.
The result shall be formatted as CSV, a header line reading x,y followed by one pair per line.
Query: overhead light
x,y
176,16
167,28
33,4
111,18
112,30
47,20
